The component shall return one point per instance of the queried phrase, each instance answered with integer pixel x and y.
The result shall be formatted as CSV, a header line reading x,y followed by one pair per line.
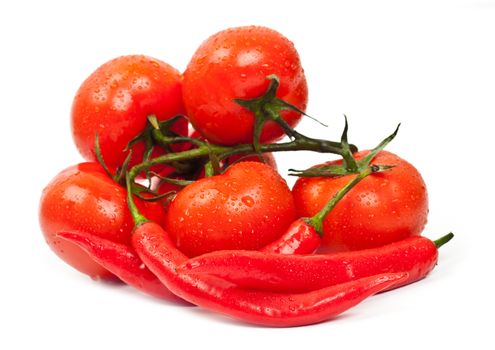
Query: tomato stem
x,y
317,220
300,144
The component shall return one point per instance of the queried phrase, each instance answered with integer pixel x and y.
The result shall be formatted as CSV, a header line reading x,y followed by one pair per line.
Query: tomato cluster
x,y
193,152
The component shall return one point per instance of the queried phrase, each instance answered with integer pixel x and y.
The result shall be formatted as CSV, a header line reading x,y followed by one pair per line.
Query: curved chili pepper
x,y
158,252
122,261
298,273
300,238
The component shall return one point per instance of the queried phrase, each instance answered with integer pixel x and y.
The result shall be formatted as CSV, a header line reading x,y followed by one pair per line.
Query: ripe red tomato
x,y
247,207
383,208
115,101
235,63
84,198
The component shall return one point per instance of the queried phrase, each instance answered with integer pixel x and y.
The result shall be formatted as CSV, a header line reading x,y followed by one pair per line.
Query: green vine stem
x,y
222,152
266,107
317,220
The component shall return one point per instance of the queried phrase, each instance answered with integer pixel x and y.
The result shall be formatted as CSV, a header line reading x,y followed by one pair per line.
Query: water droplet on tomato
x,y
248,200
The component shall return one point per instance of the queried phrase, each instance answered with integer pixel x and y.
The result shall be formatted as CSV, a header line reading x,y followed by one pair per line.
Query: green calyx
x,y
349,165
268,107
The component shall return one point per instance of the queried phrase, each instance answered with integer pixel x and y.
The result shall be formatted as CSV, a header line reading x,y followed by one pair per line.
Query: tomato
x,y
383,208
235,63
246,207
115,101
84,198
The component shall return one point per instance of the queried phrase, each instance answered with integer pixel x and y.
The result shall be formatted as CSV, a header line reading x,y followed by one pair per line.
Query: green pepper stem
x,y
136,215
317,220
444,239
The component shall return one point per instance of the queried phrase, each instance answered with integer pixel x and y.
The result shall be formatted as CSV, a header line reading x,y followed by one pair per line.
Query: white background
x,y
427,64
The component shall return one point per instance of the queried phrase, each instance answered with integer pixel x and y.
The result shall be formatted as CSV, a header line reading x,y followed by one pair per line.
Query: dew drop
x,y
248,200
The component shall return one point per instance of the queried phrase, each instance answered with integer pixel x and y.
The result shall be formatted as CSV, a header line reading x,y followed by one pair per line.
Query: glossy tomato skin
x,y
235,63
383,208
83,198
268,159
247,207
115,101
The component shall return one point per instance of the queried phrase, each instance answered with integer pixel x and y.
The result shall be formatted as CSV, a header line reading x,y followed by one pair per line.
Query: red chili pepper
x,y
155,248
298,273
122,261
300,238
157,251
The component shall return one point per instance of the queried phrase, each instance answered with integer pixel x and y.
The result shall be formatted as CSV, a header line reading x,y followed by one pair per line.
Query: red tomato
x,y
84,198
115,102
234,64
383,208
247,207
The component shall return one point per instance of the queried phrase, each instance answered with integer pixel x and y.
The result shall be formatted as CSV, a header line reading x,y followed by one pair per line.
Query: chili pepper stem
x,y
138,218
317,220
444,239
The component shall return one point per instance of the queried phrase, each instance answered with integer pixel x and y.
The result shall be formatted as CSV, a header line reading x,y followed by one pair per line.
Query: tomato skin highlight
x,y
385,207
247,207
115,101
235,63
83,198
